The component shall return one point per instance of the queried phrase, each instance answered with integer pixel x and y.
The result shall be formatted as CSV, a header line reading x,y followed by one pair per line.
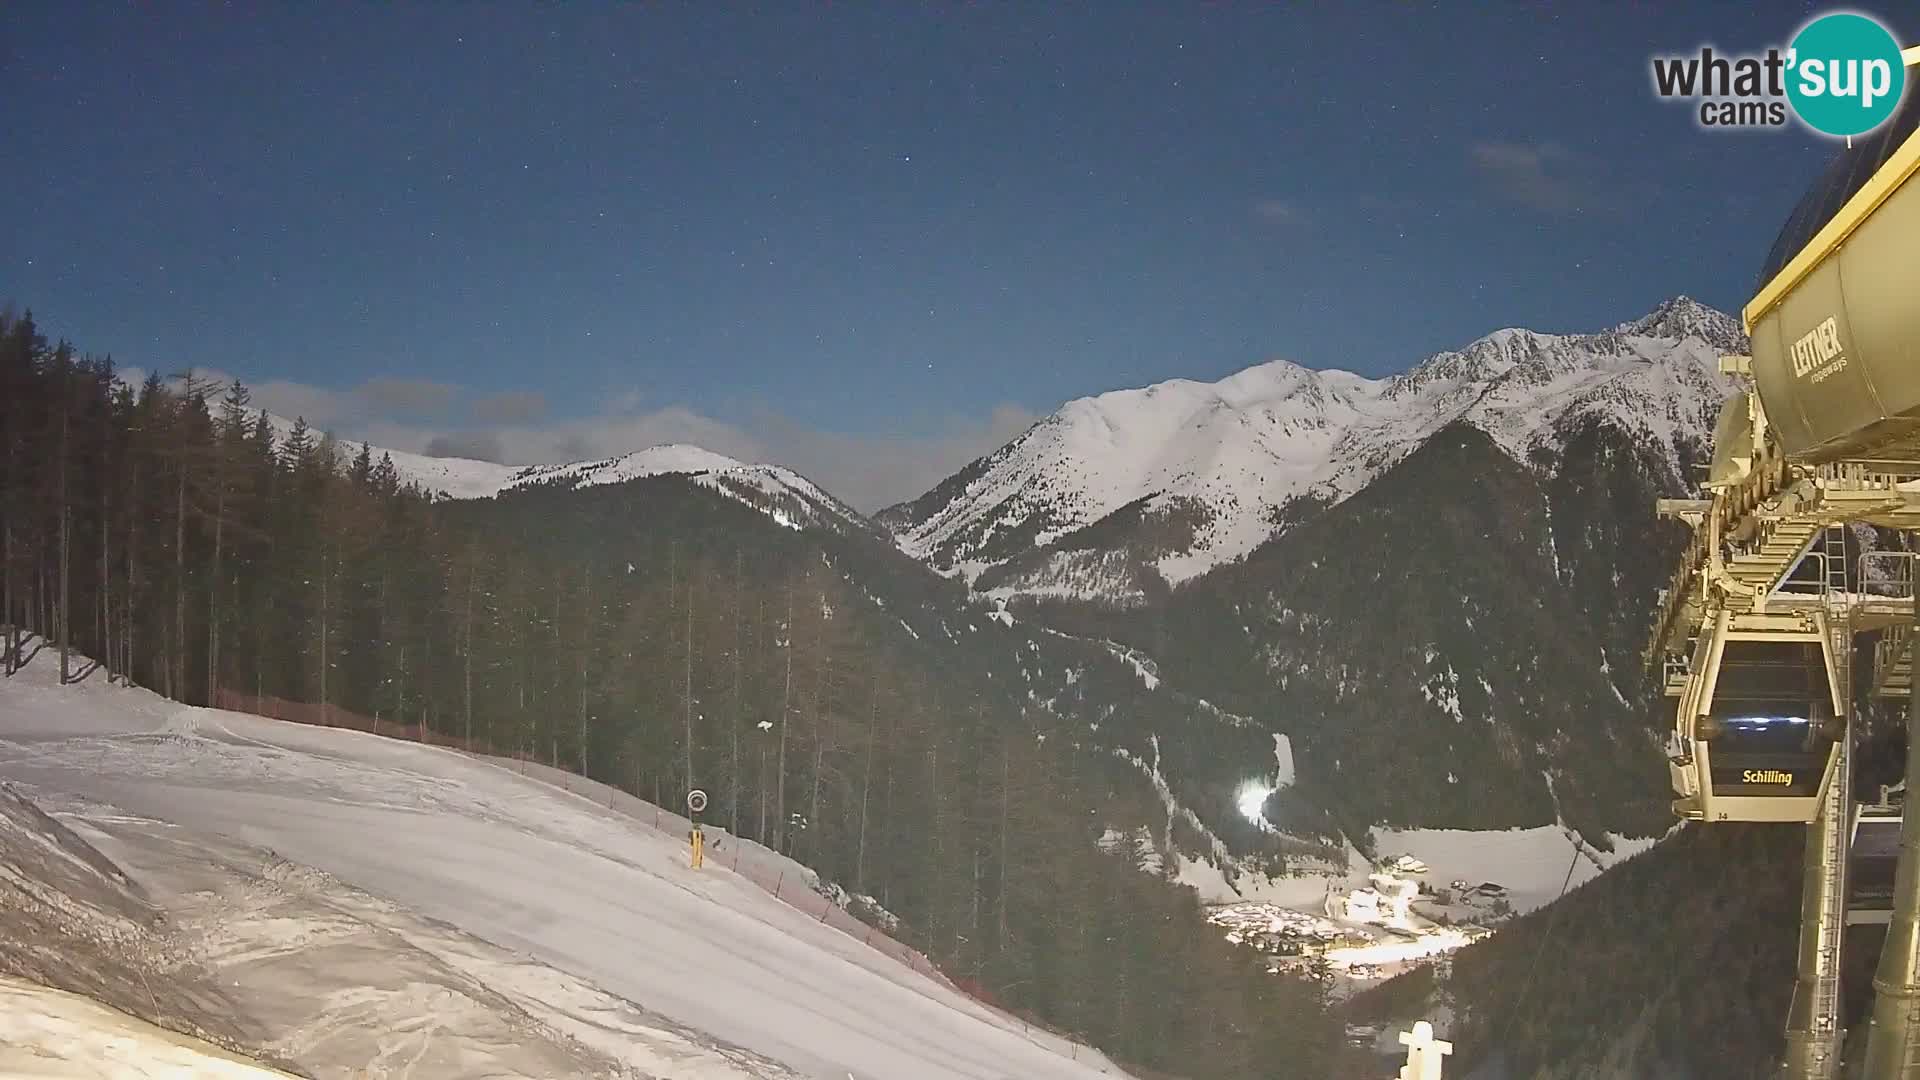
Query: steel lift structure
x,y
1756,634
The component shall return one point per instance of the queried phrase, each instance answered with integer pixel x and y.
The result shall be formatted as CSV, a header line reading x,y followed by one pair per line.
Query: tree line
x,y
653,635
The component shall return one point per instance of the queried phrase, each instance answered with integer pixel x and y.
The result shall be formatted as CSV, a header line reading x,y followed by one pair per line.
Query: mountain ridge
x,y
792,500
1234,459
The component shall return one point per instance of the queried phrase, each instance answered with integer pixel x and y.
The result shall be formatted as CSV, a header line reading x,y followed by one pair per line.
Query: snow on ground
x,y
653,461
1243,448
598,909
1283,761
1142,665
782,494
345,982
53,1035
1395,952
1301,892
790,499
459,478
198,934
1530,863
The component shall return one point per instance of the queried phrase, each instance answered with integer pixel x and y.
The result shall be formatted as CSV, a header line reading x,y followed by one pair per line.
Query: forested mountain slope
x,y
1441,607
837,699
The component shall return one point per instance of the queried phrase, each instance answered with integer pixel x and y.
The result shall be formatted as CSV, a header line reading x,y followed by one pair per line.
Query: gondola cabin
x,y
1754,735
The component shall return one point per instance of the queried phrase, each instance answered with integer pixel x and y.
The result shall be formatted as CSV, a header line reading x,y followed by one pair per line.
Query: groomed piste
x,y
359,899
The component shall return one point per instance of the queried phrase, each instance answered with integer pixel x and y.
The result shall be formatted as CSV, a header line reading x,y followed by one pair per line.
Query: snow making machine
x,y
1756,632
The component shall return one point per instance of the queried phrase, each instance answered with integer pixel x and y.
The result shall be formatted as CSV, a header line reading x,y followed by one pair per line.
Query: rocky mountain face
x,y
1433,584
1415,601
1116,497
1430,586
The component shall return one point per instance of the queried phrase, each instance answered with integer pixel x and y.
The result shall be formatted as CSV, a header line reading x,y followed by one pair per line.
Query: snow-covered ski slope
x,y
534,870
46,1034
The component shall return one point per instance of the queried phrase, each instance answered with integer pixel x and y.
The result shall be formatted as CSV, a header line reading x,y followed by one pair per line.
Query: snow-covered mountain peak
x,y
790,499
1211,470
1684,317
784,495
1479,361
653,461
1277,380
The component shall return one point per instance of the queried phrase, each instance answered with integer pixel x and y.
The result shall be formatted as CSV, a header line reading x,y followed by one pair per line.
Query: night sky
x,y
869,240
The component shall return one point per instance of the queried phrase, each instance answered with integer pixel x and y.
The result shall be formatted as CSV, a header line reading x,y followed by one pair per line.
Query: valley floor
x,y
1484,878
341,902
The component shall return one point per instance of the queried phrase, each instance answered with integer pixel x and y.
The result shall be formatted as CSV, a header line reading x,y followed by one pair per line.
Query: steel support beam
x,y
1893,1042
1813,1021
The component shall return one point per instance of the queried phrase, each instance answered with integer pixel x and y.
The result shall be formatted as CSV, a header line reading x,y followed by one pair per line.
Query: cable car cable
x,y
1546,938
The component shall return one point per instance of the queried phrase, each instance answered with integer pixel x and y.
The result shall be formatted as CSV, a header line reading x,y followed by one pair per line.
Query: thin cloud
x,y
875,471
424,397
474,445
513,407
1544,176
869,471
322,408
1279,212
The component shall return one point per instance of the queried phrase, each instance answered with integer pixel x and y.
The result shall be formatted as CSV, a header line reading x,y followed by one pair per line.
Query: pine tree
x,y
605,628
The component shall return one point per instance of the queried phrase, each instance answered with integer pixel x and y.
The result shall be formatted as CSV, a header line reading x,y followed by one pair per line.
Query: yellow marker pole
x,y
696,802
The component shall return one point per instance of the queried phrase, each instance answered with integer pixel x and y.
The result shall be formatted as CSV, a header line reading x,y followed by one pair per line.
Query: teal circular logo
x,y
1844,74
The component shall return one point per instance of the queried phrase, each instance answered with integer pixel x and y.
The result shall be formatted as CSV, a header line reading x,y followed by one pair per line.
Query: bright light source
x,y
1768,721
1252,799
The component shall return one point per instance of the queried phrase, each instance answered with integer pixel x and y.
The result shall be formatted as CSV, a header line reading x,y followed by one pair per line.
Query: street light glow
x,y
1252,799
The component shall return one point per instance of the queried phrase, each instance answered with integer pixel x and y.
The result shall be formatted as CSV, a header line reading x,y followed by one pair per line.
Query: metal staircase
x,y
1893,663
1780,549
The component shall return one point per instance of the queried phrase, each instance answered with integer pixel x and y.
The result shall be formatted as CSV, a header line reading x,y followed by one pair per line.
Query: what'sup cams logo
x,y
1842,75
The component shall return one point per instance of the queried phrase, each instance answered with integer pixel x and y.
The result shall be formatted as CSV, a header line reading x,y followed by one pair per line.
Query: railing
x,y
1866,475
1676,668
1821,583
1887,574
1889,652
